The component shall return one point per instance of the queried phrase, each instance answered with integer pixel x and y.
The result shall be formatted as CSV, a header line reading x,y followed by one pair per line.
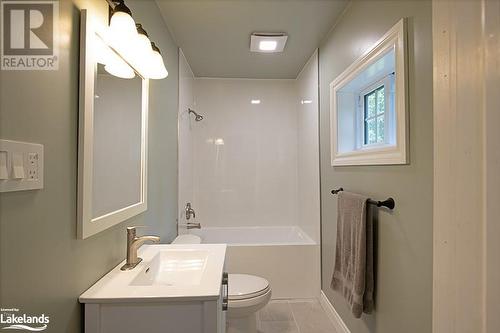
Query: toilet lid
x,y
243,286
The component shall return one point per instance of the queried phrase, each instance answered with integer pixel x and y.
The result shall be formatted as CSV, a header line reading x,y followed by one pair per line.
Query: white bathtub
x,y
246,236
286,256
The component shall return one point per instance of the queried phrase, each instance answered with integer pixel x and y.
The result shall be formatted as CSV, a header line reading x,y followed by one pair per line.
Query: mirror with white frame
x,y
112,154
368,105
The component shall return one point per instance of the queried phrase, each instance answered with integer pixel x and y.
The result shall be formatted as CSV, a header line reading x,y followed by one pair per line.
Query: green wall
x,y
43,267
404,236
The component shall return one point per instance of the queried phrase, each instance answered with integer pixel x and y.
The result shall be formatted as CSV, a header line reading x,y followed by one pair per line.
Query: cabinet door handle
x,y
225,291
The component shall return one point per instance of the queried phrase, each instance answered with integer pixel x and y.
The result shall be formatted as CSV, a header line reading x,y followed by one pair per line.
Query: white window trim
x,y
378,154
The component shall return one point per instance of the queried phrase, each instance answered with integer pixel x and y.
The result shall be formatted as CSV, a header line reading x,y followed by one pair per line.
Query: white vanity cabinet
x,y
175,289
203,316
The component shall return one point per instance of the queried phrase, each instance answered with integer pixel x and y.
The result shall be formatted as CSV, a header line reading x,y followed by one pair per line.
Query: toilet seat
x,y
244,286
249,304
247,294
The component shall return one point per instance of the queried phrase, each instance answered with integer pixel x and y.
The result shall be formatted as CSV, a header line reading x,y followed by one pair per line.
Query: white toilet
x,y
247,294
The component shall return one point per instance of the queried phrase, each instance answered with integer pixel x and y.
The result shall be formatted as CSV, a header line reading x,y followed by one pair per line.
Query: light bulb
x,y
119,68
156,69
143,46
112,62
268,45
122,29
122,24
141,53
159,71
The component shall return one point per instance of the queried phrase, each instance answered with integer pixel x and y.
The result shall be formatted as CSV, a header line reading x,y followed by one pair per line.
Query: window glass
x,y
380,100
370,131
374,116
380,129
370,105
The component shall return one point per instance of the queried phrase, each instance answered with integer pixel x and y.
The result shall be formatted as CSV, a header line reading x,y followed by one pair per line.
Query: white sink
x,y
180,267
166,273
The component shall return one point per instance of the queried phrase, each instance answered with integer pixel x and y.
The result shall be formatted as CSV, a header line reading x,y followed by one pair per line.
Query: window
x,y
375,114
368,106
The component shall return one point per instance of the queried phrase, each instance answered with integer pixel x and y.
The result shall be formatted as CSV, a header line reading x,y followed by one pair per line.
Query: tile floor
x,y
294,316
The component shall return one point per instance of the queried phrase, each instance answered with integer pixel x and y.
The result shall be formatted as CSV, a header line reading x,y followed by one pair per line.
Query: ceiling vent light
x,y
267,45
267,42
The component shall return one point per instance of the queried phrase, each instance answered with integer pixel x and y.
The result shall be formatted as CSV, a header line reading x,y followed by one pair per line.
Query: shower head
x,y
197,117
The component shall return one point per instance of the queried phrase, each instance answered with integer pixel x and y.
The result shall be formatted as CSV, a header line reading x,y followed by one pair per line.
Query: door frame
x,y
466,163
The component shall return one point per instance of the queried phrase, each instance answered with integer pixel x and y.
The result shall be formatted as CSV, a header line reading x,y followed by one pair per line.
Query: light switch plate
x,y
4,172
21,166
17,165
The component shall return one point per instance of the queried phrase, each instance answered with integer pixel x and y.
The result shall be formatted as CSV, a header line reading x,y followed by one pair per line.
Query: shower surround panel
x,y
245,154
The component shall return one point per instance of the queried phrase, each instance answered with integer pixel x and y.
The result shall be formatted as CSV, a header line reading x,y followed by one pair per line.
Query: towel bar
x,y
389,202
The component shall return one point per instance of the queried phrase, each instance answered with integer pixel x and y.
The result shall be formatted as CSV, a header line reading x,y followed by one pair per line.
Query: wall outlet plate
x,y
21,166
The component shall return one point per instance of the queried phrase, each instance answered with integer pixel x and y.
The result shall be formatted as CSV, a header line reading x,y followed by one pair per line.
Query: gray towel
x,y
353,271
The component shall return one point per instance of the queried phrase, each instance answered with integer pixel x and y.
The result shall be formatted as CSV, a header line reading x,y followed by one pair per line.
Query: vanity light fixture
x,y
131,43
306,101
255,101
265,42
121,21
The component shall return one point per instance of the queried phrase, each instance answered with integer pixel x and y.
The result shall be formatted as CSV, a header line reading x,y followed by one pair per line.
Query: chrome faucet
x,y
189,211
133,244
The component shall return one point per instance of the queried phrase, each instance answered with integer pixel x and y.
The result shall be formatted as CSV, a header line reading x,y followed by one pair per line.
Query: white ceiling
x,y
215,34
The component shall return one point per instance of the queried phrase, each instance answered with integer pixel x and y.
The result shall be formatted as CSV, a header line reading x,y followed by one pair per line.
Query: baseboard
x,y
339,324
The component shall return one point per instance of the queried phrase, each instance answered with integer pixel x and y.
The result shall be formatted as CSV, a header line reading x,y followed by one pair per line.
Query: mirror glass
x,y
116,181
